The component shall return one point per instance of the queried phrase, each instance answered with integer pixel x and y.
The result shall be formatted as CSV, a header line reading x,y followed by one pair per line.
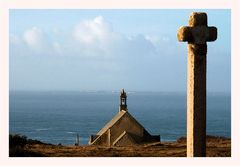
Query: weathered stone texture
x,y
196,34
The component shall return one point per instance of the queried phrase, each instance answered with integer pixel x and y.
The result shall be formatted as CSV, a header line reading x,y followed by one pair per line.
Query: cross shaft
x,y
196,34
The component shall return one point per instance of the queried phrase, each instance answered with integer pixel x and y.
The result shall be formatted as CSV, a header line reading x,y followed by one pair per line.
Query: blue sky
x,y
111,49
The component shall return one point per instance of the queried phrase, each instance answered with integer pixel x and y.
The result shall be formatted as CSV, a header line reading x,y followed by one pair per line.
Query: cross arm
x,y
197,34
185,34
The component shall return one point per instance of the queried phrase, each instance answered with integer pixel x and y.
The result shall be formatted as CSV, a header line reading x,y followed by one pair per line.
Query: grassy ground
x,y
216,147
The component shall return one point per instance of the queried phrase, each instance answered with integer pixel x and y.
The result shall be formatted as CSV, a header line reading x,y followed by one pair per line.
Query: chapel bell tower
x,y
123,101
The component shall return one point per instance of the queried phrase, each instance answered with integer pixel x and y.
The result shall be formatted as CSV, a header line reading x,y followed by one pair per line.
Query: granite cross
x,y
196,34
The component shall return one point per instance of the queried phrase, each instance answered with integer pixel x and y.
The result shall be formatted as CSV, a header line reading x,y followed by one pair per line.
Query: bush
x,y
17,147
17,140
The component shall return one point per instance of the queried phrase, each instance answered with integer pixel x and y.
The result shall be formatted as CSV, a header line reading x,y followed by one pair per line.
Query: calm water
x,y
56,117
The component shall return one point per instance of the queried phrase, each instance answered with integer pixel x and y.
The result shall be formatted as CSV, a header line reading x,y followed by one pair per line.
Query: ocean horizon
x,y
58,116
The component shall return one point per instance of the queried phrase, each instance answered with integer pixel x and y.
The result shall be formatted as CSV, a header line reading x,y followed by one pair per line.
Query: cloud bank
x,y
88,38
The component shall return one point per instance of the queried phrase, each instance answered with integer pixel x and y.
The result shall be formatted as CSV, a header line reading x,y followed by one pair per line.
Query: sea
x,y
57,117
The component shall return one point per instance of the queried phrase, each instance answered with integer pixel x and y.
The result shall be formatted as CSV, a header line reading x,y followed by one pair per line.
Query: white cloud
x,y
89,38
90,31
156,40
34,38
96,37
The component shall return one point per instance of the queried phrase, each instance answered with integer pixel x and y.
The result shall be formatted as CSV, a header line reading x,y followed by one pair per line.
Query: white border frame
x,y
5,5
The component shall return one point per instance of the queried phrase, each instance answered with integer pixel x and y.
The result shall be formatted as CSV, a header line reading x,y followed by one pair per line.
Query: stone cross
x,y
196,34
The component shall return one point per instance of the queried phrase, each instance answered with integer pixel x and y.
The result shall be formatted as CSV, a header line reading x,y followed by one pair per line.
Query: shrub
x,y
17,140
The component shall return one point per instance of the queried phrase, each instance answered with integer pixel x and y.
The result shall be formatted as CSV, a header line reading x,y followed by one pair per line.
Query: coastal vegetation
x,y
21,146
